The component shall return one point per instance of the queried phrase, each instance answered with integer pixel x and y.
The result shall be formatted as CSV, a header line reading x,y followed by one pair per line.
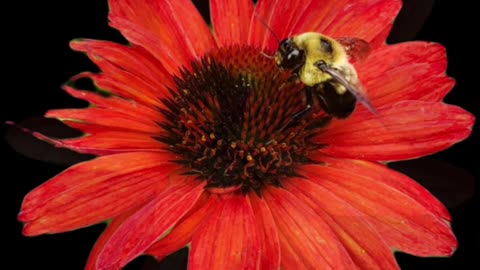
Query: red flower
x,y
197,145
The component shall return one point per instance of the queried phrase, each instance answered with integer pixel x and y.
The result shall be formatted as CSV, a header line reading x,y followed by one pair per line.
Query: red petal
x,y
116,104
269,15
406,71
105,237
227,239
94,191
108,118
365,246
182,233
406,216
133,90
231,20
161,28
306,241
115,59
149,223
101,141
406,130
268,234
364,19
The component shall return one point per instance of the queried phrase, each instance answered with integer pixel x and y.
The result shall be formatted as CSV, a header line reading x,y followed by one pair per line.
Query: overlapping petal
x,y
405,71
231,27
366,19
345,214
112,227
306,241
405,130
182,233
228,238
94,191
364,245
148,224
405,215
161,28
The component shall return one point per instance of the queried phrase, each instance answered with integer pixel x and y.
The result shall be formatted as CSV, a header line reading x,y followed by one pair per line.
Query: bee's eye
x,y
293,54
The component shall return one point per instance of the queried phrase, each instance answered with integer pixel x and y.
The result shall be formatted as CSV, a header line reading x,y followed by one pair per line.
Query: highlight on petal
x,y
306,241
71,200
159,27
403,213
271,14
182,233
149,223
228,238
364,245
405,130
231,20
269,241
364,19
405,71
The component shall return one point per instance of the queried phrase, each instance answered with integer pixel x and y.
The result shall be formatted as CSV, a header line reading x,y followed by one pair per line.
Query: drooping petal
x,y
268,234
116,59
306,241
405,215
231,20
94,191
105,237
405,71
182,233
149,223
405,130
160,27
107,118
101,141
228,238
114,103
365,246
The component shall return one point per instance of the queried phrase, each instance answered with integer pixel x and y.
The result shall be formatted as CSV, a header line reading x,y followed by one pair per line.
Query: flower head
x,y
202,141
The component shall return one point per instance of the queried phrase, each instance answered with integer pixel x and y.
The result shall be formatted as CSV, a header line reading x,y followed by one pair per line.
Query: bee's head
x,y
289,55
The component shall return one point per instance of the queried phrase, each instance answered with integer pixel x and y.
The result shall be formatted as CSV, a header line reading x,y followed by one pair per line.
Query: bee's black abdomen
x,y
333,103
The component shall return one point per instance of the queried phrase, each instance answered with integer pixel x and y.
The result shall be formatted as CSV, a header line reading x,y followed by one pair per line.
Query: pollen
x,y
231,120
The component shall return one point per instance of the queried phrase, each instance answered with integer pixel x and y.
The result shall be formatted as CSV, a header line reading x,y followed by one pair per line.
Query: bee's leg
x,y
299,114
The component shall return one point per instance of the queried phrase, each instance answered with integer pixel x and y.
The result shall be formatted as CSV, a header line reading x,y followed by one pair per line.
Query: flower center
x,y
234,120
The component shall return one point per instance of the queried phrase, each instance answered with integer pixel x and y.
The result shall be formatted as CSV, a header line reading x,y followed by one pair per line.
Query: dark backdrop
x,y
37,61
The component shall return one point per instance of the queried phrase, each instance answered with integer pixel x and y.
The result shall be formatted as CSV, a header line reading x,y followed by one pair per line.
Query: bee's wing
x,y
357,49
355,90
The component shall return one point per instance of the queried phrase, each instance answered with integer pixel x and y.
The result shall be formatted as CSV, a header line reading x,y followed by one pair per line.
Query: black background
x,y
37,61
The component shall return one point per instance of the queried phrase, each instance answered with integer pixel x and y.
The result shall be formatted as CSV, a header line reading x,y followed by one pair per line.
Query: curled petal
x,y
405,130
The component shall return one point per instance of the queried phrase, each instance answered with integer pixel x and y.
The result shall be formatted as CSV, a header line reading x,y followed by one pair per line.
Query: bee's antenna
x,y
266,26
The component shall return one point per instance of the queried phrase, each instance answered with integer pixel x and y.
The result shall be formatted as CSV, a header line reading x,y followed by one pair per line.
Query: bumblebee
x,y
324,66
